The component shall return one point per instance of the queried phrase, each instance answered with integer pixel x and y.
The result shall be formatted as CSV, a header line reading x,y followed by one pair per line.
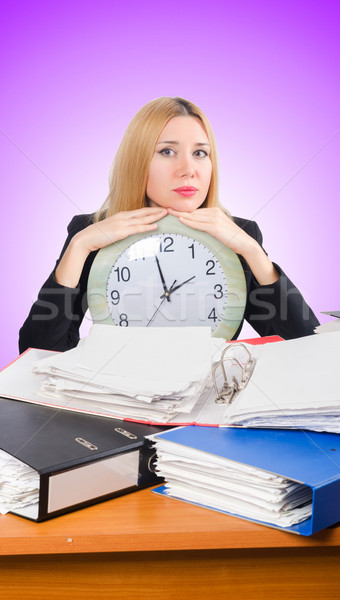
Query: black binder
x,y
81,459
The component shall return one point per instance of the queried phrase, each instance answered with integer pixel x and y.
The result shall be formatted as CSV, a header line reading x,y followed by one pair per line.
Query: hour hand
x,y
166,291
173,289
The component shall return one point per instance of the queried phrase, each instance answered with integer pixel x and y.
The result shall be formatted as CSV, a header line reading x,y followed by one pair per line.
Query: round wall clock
x,y
173,276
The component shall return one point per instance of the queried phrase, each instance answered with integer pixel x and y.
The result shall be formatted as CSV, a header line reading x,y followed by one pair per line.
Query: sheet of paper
x,y
238,507
155,353
294,383
295,376
328,327
19,484
227,485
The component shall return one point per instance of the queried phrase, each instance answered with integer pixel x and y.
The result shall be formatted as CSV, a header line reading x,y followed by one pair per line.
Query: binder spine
x,y
43,496
147,466
325,505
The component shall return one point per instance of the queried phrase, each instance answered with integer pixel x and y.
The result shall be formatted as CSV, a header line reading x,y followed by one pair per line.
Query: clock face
x,y
175,277
165,280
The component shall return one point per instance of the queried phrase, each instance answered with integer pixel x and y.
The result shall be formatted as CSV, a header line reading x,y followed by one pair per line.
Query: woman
x,y
165,164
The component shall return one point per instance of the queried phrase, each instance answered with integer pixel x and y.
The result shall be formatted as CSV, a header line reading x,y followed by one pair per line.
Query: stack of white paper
x,y
295,384
19,484
164,375
141,373
222,484
330,325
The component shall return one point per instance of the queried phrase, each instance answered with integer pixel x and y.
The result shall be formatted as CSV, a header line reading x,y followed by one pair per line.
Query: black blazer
x,y
54,319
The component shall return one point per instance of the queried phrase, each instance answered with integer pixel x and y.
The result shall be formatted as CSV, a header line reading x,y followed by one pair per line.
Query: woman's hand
x,y
101,234
215,222
118,227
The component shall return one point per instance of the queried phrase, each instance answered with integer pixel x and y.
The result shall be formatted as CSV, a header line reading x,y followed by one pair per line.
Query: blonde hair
x,y
129,172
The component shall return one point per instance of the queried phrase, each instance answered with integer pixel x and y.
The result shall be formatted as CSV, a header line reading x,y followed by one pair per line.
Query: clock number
x,y
123,320
167,248
115,296
218,291
212,315
192,247
209,270
122,274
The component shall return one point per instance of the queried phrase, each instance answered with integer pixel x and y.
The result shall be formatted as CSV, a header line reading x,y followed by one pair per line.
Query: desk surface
x,y
143,546
143,521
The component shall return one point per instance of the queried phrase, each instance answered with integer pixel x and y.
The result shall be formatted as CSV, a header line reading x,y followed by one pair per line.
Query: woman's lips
x,y
186,191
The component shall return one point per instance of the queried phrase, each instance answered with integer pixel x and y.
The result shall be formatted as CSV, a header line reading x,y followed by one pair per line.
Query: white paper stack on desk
x,y
330,325
287,479
163,375
19,483
144,374
215,481
295,384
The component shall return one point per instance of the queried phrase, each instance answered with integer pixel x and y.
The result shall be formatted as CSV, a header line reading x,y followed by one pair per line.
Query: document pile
x,y
295,384
206,466
147,374
330,325
19,484
183,376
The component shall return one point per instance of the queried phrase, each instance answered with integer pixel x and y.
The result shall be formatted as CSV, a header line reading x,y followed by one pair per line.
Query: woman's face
x,y
180,169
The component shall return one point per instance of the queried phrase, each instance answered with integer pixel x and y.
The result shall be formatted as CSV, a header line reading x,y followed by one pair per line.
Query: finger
x,y
146,222
138,218
195,224
150,218
147,211
127,218
130,229
139,228
195,216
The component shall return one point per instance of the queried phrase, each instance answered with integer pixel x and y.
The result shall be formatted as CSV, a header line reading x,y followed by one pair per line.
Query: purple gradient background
x,y
74,73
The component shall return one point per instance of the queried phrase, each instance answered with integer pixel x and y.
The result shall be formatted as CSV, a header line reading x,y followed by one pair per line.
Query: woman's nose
x,y
186,167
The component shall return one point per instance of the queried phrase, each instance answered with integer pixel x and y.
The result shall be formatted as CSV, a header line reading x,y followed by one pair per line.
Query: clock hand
x,y
173,289
166,292
160,304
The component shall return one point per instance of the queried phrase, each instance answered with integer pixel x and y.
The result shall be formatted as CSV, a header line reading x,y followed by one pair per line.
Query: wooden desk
x,y
143,546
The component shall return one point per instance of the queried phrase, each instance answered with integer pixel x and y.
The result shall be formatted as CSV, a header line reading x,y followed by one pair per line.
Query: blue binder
x,y
306,457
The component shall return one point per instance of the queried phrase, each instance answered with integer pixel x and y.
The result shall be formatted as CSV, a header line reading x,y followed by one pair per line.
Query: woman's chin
x,y
178,204
184,205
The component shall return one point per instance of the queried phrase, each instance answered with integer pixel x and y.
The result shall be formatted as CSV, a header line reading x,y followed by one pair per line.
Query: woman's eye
x,y
201,153
167,152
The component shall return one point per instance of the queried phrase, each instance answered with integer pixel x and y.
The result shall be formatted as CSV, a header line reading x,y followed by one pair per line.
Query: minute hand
x,y
173,289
